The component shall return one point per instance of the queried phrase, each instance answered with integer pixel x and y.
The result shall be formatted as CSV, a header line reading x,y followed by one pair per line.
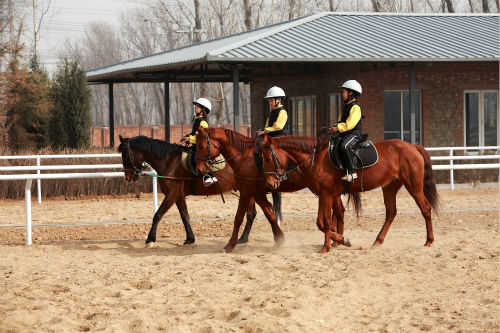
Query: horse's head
x,y
274,160
132,161
207,150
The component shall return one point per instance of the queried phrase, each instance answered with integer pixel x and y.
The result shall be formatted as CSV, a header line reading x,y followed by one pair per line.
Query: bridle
x,y
128,155
211,161
281,176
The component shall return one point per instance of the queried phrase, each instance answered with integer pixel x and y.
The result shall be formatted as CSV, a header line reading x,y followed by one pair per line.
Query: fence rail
x,y
39,176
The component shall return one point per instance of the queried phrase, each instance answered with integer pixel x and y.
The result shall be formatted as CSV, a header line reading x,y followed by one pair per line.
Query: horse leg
x,y
338,221
165,205
238,219
251,213
425,209
182,207
324,213
390,191
267,208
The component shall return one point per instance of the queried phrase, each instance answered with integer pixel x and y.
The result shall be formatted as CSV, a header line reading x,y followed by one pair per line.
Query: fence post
x,y
38,181
27,198
155,191
452,183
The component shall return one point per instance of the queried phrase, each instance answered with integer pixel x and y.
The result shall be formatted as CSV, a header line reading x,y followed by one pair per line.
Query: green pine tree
x,y
71,118
27,105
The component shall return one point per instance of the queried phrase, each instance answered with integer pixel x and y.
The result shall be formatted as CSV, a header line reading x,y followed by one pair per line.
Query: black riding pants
x,y
348,141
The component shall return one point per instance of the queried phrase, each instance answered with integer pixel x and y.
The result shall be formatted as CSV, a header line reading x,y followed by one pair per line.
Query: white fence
x,y
38,176
38,168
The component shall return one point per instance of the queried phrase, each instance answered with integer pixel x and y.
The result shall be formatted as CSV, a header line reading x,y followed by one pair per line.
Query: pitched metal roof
x,y
335,37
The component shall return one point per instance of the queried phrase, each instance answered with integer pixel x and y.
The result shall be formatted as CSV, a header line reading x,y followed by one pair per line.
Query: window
x,y
481,118
302,115
397,117
334,109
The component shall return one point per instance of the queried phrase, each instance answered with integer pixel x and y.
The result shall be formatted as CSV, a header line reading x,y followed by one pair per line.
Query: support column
x,y
236,98
111,116
166,93
413,107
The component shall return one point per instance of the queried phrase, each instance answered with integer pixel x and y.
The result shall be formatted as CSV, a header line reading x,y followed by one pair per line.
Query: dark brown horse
x,y
238,151
400,163
174,181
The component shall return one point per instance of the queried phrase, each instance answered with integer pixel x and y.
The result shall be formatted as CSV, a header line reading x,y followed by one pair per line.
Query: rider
x,y
349,126
202,108
276,125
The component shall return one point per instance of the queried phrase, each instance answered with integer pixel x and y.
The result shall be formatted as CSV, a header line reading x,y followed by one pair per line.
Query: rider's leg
x,y
346,149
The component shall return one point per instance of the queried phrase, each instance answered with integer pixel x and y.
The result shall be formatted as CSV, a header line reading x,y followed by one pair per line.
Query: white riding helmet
x,y
204,102
275,92
352,85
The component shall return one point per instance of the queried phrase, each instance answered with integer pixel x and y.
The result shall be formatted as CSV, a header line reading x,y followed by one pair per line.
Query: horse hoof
x,y
187,242
323,250
227,250
149,245
242,241
347,242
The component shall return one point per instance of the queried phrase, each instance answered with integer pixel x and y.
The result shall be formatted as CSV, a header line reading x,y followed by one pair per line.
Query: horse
x,y
175,182
400,164
238,150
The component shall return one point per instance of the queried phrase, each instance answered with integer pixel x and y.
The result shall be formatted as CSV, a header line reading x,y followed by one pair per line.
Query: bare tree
x,y
449,6
486,7
247,8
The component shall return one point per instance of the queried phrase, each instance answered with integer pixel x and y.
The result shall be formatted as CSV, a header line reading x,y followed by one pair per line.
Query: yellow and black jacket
x,y
350,119
277,123
199,121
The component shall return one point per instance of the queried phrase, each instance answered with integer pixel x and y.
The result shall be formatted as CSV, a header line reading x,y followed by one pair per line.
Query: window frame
x,y
293,115
481,121
401,113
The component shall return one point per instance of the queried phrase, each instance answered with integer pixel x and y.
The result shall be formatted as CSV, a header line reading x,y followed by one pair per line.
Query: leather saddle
x,y
365,153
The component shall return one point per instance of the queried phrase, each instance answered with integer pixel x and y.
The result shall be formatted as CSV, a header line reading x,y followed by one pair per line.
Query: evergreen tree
x,y
71,118
27,104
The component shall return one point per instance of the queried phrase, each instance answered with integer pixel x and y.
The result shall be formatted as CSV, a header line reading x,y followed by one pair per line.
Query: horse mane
x,y
240,141
304,144
158,147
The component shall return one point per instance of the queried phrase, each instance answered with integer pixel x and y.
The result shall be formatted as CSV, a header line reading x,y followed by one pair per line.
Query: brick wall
x,y
100,135
441,88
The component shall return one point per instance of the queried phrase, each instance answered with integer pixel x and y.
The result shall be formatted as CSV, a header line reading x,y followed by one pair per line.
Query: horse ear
x,y
121,138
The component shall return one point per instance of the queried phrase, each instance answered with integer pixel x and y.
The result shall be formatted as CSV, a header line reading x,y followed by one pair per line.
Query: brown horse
x,y
174,181
400,163
238,151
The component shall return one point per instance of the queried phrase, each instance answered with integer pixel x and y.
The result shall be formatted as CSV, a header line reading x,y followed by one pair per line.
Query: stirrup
x,y
207,180
350,177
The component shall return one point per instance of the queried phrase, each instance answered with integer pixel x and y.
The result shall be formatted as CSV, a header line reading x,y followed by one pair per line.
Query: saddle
x,y
365,153
188,162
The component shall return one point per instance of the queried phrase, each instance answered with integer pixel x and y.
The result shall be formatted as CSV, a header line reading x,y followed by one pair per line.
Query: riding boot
x,y
277,206
349,167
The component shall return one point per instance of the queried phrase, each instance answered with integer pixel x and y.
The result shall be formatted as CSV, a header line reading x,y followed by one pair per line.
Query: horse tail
x,y
430,191
355,200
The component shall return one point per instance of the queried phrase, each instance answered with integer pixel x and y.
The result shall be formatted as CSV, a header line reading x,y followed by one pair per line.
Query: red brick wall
x,y
100,135
441,87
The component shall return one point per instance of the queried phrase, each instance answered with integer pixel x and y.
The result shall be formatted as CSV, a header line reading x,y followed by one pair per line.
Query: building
x,y
431,79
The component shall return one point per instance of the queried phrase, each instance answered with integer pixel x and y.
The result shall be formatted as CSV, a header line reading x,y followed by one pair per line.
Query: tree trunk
x,y
197,22
486,8
471,6
247,7
291,9
332,6
449,5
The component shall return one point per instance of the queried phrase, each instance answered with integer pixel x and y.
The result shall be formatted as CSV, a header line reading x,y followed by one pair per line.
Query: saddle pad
x,y
215,167
367,153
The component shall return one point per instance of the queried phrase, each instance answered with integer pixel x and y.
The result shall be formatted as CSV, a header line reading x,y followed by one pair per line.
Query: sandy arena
x,y
88,269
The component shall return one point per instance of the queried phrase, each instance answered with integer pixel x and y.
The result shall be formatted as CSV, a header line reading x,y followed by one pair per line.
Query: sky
x,y
70,19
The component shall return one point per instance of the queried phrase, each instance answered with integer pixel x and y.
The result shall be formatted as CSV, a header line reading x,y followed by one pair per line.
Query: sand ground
x,y
88,269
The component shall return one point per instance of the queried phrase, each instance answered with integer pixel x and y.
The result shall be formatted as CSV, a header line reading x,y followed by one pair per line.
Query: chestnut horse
x,y
174,181
400,163
238,150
